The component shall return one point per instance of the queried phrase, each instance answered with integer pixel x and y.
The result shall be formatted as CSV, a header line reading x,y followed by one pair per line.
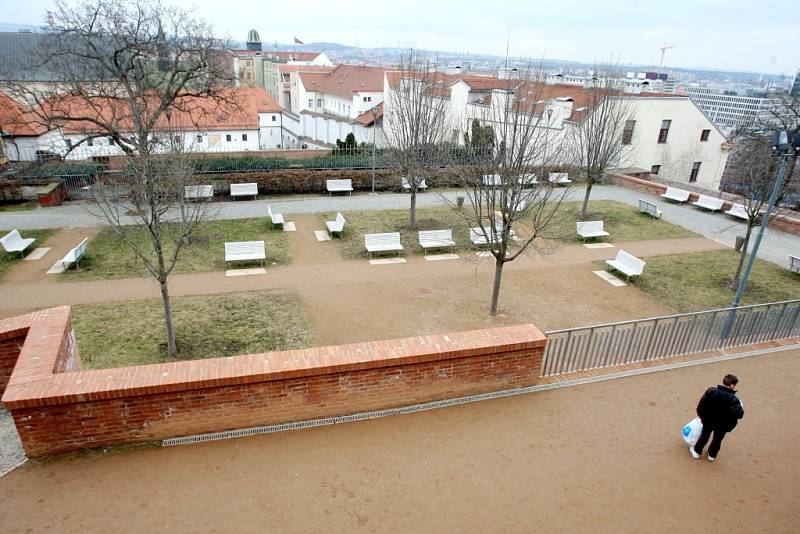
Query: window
x,y
310,103
244,137
367,99
90,141
695,171
664,131
319,102
69,142
111,141
228,138
177,139
627,132
654,169
274,118
704,135
199,138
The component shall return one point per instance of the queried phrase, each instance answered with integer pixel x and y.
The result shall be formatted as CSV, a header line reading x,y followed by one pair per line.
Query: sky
x,y
728,35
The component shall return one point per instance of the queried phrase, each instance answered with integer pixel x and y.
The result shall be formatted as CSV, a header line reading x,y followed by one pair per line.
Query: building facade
x,y
730,112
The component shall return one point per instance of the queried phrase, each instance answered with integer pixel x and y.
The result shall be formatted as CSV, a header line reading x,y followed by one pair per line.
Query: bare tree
x,y
416,121
511,202
603,136
134,72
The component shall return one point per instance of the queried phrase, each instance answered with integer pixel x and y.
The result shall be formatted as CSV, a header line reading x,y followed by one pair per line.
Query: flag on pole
x,y
298,41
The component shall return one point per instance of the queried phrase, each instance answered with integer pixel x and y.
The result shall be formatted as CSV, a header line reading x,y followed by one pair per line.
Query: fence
x,y
580,349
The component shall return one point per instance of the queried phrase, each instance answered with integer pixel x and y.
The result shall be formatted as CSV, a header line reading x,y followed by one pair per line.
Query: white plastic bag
x,y
691,432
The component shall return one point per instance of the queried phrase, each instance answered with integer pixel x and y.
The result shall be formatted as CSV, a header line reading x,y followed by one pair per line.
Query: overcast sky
x,y
725,34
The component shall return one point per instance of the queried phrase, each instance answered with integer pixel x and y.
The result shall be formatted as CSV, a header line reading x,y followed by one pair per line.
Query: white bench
x,y
709,203
339,186
405,183
386,242
559,178
436,239
13,242
527,180
336,226
794,264
738,211
678,195
589,229
627,264
245,251
277,218
244,190
492,180
477,237
75,255
649,208
198,192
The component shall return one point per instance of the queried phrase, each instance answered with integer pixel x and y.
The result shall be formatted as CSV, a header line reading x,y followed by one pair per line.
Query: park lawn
x,y
7,260
109,257
699,281
623,222
27,205
207,326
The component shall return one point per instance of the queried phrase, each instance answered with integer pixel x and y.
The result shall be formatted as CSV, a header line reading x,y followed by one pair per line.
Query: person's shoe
x,y
712,458
694,453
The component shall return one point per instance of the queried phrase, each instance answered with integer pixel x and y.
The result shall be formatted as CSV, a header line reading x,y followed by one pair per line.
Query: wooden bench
x,y
244,190
627,264
708,203
339,186
336,226
559,178
677,195
527,180
738,211
13,242
405,184
436,239
492,180
649,208
794,264
276,218
386,242
590,229
245,251
198,192
75,255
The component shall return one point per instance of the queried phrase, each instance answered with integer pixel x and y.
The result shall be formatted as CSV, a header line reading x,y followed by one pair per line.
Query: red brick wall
x,y
9,351
57,411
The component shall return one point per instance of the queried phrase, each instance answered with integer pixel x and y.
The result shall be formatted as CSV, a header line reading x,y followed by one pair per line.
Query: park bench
x,y
386,242
527,180
198,192
436,239
245,251
339,186
492,180
13,242
75,255
244,190
649,208
678,195
559,178
627,264
405,184
336,226
794,264
709,203
477,237
277,218
738,211
589,229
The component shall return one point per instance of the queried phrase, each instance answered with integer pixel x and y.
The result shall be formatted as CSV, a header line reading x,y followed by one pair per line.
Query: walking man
x,y
720,410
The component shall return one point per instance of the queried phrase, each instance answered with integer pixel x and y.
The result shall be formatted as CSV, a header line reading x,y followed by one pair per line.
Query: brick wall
x,y
57,411
9,351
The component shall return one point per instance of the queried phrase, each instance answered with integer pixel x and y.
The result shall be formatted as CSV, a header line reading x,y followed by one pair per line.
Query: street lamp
x,y
374,127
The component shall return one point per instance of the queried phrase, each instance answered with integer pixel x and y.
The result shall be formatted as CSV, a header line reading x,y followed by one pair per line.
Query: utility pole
x,y
374,128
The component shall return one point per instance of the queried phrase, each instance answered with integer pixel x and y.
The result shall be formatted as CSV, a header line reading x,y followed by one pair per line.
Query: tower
x,y
253,41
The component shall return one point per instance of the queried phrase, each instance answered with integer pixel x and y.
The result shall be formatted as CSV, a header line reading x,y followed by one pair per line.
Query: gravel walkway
x,y
718,227
11,452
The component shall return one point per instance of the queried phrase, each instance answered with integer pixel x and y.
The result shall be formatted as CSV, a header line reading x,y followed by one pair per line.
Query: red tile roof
x,y
345,80
16,119
366,118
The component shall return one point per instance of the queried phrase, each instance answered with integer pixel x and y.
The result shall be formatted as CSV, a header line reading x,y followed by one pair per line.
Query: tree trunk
x,y
737,278
498,276
172,347
413,214
585,207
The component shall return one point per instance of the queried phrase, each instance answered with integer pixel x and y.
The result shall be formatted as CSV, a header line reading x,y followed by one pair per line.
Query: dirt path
x,y
604,457
59,243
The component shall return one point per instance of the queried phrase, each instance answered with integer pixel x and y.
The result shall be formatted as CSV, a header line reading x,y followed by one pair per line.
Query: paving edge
x,y
413,408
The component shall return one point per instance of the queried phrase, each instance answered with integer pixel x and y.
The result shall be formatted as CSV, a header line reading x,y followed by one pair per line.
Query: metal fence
x,y
581,349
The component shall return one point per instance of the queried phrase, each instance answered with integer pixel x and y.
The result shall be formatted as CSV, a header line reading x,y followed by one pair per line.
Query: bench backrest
x,y
334,185
709,201
672,192
244,189
269,212
198,191
405,183
475,234
11,238
558,177
340,219
738,208
492,179
590,226
379,240
630,260
80,250
435,235
244,247
646,205
528,179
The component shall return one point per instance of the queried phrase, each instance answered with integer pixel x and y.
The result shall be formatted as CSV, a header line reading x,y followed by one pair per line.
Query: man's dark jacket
x,y
720,409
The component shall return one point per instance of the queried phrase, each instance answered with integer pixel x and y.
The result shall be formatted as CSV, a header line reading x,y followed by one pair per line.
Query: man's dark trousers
x,y
713,449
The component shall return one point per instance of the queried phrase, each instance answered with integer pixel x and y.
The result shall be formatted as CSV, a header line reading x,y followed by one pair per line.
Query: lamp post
x,y
374,127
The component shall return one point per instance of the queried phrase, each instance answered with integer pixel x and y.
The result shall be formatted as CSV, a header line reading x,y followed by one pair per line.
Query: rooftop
x,y
345,80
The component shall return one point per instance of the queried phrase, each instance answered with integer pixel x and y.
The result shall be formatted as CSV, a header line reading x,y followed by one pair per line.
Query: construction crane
x,y
664,51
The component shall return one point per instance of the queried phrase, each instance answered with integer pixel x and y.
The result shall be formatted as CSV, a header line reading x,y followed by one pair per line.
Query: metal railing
x,y
592,347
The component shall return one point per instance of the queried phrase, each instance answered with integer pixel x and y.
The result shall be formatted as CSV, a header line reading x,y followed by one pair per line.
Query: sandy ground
x,y
603,457
351,300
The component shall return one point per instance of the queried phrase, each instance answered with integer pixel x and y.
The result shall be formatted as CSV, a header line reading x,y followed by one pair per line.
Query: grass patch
x,y
27,205
109,257
207,326
7,260
700,281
